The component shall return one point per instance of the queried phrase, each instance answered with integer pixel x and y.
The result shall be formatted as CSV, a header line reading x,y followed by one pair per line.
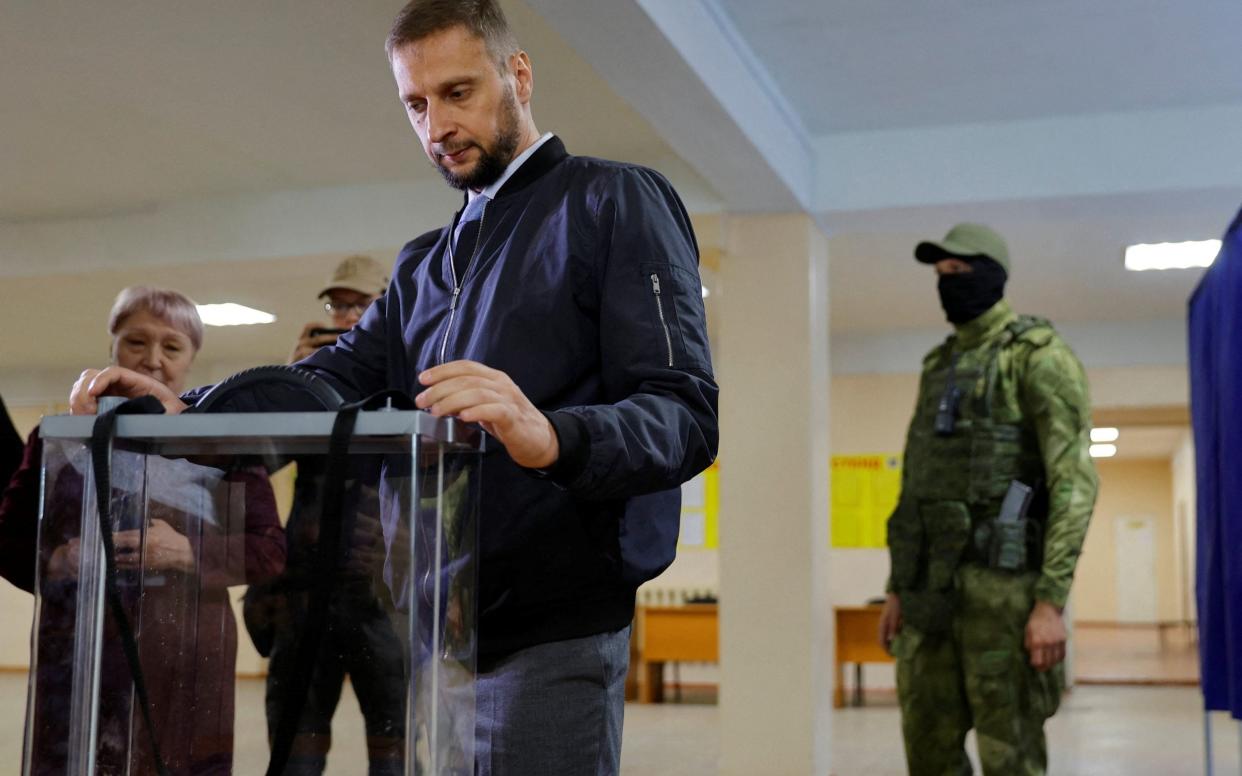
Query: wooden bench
x,y
691,634
672,634
857,630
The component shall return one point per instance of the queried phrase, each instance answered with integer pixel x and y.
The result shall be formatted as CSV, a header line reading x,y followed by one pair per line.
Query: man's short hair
x,y
420,19
169,306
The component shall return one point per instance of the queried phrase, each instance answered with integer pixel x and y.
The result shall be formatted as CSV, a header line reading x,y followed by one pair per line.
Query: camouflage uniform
x,y
961,661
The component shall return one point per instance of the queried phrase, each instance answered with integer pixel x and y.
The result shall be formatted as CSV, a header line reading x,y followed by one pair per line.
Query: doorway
x,y
1135,542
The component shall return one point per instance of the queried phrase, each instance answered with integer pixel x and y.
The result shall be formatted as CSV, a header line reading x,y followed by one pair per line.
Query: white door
x,y
1186,551
1136,568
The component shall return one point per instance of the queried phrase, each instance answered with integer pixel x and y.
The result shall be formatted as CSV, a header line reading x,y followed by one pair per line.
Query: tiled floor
x,y
1100,731
1137,655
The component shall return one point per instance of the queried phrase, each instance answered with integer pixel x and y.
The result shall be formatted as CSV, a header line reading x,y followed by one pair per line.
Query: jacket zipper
x,y
457,284
668,339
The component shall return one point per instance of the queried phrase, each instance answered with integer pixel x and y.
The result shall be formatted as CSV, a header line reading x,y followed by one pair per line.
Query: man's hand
x,y
890,620
166,550
307,344
479,394
1045,636
118,381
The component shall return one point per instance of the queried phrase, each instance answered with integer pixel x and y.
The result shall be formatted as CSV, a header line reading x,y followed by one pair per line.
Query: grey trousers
x,y
554,709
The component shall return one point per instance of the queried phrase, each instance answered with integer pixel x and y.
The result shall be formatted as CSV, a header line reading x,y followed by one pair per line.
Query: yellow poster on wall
x,y
700,505
864,491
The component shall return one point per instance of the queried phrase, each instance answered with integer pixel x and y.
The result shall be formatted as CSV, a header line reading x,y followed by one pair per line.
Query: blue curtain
x,y
1215,328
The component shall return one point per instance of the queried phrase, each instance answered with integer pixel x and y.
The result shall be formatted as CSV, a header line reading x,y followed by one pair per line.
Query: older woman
x,y
174,573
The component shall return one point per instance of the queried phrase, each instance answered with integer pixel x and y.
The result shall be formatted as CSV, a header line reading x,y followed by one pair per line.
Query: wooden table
x,y
691,634
672,634
857,629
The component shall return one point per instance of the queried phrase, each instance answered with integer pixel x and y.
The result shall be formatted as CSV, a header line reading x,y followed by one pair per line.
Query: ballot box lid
x,y
376,431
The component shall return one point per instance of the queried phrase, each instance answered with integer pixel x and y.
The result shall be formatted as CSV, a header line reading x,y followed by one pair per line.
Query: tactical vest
x,y
955,482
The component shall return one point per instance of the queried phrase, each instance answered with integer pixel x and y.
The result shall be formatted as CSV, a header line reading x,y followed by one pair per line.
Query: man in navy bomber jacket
x,y
562,312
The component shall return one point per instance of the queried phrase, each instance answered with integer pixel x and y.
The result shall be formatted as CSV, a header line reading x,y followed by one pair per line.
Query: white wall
x,y
1043,157
1099,345
1184,526
1128,489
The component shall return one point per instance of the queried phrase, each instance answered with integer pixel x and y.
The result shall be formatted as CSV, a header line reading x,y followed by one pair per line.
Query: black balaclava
x,y
967,295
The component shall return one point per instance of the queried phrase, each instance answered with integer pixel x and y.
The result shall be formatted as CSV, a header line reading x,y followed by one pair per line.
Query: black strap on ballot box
x,y
101,448
325,562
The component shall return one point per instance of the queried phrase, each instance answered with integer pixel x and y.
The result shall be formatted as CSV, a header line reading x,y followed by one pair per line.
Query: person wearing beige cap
x,y
359,641
996,493
355,283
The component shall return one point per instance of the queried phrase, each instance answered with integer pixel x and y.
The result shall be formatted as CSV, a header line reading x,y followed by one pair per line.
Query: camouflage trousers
x,y
976,675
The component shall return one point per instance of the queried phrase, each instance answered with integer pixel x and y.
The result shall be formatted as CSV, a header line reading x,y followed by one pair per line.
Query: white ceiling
x,y
128,106
884,64
891,65
114,107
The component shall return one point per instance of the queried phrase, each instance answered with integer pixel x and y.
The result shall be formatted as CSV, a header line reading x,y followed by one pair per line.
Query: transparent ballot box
x,y
235,536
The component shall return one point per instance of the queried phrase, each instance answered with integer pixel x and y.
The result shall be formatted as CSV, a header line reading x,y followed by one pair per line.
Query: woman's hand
x,y
118,381
166,550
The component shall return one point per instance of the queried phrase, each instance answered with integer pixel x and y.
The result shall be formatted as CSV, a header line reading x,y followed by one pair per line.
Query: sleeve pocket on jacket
x,y
675,305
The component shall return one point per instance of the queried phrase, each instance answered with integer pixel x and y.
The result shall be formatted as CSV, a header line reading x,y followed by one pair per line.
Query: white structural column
x,y
775,621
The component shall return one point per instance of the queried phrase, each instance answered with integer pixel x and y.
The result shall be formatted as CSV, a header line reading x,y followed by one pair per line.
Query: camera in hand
x,y
318,332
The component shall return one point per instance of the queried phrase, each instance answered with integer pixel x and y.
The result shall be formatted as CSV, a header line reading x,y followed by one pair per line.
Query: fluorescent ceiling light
x,y
1104,434
1103,451
1179,255
232,314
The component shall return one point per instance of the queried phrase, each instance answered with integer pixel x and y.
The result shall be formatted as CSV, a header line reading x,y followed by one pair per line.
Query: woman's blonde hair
x,y
170,306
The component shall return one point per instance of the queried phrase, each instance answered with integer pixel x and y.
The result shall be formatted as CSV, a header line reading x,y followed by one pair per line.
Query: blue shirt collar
x,y
491,191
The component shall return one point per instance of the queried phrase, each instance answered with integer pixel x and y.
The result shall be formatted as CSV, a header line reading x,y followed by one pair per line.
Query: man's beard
x,y
492,161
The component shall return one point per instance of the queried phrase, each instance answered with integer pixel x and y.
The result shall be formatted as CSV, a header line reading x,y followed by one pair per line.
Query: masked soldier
x,y
997,490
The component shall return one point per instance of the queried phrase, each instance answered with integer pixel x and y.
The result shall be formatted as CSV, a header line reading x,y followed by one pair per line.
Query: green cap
x,y
965,241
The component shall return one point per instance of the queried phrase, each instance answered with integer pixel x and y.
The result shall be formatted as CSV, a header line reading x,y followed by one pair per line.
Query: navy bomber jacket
x,y
585,290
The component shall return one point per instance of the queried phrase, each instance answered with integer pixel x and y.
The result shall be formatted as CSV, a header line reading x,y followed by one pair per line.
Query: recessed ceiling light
x,y
1104,434
1176,255
232,314
1103,451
